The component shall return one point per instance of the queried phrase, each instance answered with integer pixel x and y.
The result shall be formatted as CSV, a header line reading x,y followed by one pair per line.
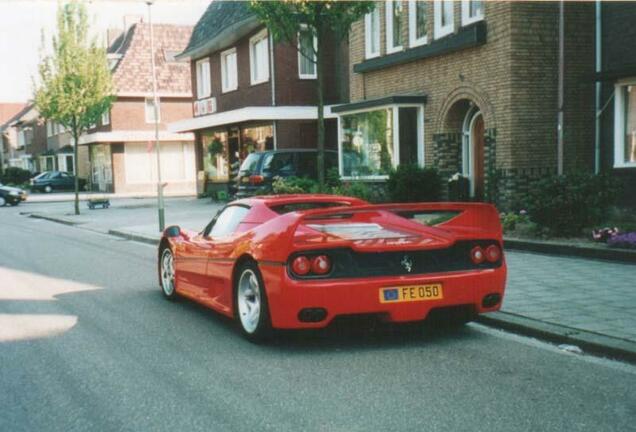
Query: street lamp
x,y
156,110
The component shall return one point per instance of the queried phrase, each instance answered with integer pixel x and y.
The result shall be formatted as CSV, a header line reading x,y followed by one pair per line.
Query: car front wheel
x,y
2,201
166,274
48,189
251,310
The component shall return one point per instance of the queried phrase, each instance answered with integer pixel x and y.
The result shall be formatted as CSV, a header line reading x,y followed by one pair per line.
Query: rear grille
x,y
350,264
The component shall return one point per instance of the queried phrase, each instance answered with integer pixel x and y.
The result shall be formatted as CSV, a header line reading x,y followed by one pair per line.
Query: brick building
x,y
470,87
121,146
616,77
25,138
9,112
252,93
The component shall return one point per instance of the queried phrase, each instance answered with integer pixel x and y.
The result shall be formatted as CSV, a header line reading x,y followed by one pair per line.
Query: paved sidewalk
x,y
591,295
39,197
572,295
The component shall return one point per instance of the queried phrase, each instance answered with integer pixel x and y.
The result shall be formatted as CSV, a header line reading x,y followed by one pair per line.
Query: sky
x,y
22,23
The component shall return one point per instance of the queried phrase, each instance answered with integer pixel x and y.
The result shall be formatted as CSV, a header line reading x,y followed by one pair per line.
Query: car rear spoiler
x,y
472,220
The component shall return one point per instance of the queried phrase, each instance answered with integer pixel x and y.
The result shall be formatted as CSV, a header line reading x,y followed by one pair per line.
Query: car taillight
x,y
493,253
301,265
477,255
321,265
256,179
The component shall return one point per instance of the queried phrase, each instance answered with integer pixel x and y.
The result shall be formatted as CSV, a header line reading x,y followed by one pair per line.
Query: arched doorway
x,y
473,151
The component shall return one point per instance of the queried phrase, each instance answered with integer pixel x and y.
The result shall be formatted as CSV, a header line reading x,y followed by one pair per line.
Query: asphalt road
x,y
88,343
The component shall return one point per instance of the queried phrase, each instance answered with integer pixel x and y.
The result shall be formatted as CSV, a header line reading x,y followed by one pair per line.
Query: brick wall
x,y
129,113
512,78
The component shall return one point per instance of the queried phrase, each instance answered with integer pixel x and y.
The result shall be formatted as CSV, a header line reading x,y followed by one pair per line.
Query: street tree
x,y
75,85
330,19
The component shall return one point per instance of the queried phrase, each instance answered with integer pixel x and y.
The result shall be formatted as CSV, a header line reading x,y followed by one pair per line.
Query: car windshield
x,y
249,164
42,176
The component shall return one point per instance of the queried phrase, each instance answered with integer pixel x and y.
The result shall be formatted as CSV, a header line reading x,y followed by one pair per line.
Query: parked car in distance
x,y
11,195
49,181
258,170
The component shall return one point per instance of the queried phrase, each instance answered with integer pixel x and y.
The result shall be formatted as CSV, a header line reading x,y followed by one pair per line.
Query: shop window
x,y
393,12
625,126
372,33
472,11
418,26
367,143
257,138
444,18
215,156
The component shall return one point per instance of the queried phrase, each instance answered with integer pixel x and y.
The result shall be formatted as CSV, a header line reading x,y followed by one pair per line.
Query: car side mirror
x,y
172,231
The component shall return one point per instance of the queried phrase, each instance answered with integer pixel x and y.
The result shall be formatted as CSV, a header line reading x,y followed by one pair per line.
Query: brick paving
x,y
586,294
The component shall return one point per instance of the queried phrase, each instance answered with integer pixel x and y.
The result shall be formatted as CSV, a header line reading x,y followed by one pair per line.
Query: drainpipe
x,y
597,97
560,89
272,84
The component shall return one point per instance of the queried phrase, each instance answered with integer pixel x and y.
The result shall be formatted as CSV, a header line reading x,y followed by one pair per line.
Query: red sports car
x,y
298,261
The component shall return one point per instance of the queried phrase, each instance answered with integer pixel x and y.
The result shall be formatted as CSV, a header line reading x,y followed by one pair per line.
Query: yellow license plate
x,y
411,293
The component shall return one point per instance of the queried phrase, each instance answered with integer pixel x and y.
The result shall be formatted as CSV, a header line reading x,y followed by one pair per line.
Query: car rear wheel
x,y
48,189
251,310
2,201
166,274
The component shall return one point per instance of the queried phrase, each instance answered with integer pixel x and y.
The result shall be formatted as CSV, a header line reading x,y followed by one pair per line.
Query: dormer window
x,y
307,46
203,78
229,74
259,58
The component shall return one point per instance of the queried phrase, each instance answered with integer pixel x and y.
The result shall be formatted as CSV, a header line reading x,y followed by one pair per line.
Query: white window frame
x,y
204,83
421,151
226,72
300,57
388,19
441,31
106,118
375,15
619,124
466,18
413,39
150,113
261,36
49,129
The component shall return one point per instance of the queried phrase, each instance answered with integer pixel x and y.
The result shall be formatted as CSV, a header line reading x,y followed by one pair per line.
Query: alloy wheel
x,y
249,301
167,273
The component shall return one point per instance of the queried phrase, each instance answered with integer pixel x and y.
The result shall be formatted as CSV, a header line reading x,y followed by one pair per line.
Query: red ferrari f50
x,y
298,261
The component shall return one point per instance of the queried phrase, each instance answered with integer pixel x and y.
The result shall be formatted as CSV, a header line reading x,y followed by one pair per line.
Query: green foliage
x,y
510,221
564,205
75,86
412,183
294,185
15,176
215,148
332,179
355,189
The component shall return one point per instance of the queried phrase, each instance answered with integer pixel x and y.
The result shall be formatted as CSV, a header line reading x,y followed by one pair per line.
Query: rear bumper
x,y
287,297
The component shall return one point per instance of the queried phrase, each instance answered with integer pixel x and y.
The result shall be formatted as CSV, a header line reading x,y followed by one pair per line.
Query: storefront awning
x,y
384,101
249,114
132,136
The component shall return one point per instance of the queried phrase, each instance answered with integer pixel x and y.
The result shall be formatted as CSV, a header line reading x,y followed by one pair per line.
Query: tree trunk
x,y
321,107
75,160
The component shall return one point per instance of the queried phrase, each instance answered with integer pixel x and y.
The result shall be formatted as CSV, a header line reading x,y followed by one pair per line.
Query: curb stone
x,y
58,219
608,254
134,236
607,346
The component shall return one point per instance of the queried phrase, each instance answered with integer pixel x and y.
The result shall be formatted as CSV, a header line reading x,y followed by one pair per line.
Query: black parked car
x,y
11,195
49,181
258,170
